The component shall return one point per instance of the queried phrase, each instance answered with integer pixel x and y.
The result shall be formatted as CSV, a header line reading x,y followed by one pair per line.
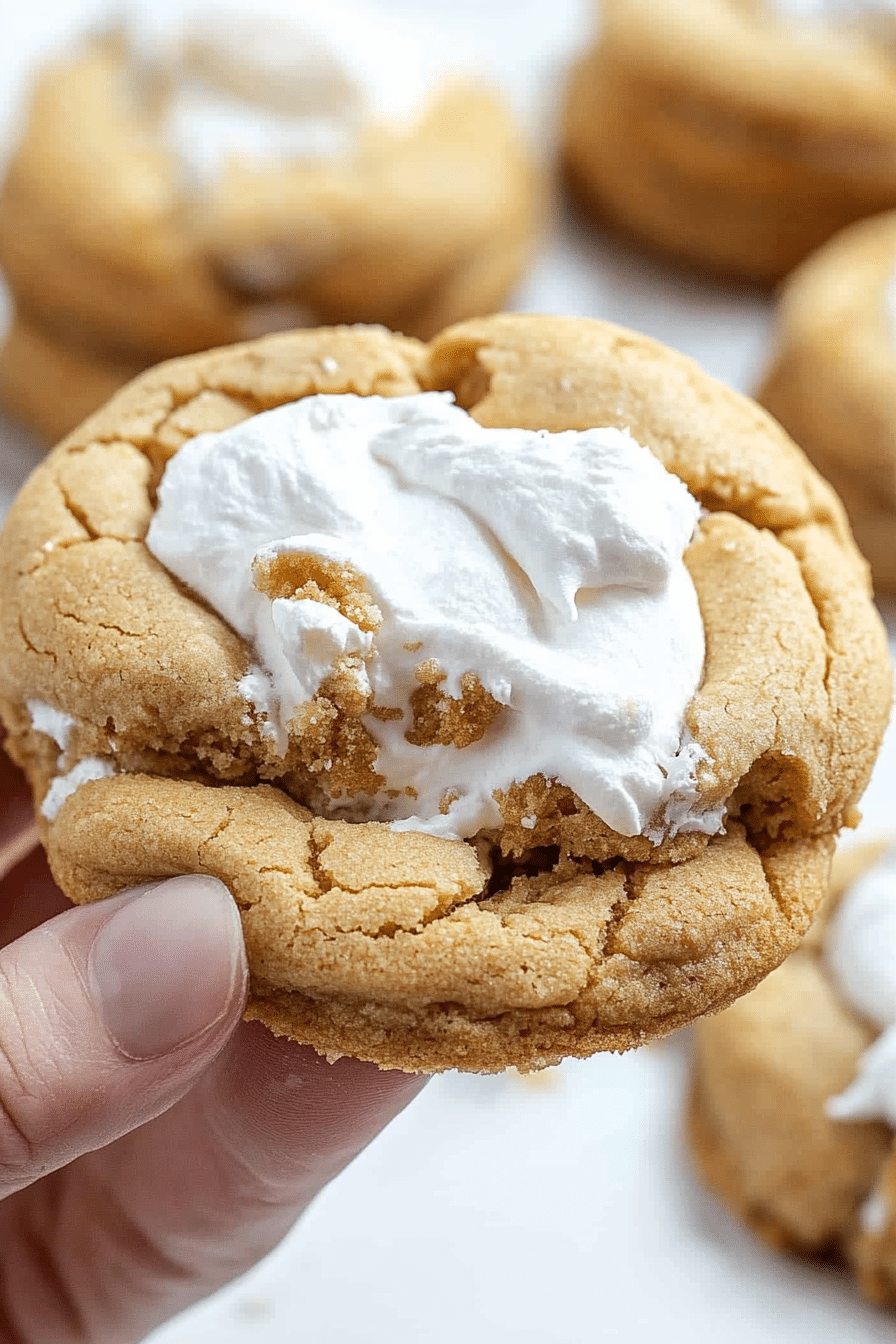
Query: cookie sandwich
x,y
736,135
516,684
204,173
794,1101
830,380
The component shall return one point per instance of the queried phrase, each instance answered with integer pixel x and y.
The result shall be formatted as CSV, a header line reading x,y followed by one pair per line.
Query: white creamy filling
x,y
549,565
63,786
838,12
874,1214
54,722
58,725
281,80
860,951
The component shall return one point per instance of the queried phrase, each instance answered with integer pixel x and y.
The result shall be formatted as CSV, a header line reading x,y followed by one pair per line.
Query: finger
x,y
185,1204
108,1015
286,1121
18,830
265,1130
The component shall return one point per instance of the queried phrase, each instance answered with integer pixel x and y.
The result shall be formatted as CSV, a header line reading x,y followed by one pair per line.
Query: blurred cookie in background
x,y
794,1100
736,135
832,378
205,173
50,385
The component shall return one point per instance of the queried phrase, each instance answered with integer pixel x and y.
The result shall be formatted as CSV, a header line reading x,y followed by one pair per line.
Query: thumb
x,y
108,1014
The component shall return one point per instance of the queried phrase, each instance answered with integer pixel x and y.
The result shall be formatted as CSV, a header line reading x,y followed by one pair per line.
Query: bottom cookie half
x,y
392,946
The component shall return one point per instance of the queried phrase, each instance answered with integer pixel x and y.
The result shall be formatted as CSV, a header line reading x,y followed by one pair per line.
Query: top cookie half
x,y
598,896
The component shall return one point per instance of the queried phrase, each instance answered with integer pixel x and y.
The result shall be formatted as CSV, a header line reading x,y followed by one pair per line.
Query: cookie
x,y
50,385
262,169
735,135
421,884
788,1120
830,378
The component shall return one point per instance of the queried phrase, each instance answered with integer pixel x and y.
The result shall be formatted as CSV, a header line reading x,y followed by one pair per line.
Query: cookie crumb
x,y
429,673
304,575
441,719
385,714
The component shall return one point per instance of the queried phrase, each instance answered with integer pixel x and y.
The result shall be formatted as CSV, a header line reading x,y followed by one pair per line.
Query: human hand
x,y
152,1145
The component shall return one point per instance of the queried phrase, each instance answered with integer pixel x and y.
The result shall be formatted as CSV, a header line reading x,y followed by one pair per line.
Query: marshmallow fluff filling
x,y
860,952
283,80
549,567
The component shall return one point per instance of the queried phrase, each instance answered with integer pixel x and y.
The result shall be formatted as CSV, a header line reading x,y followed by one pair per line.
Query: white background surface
x,y
496,1209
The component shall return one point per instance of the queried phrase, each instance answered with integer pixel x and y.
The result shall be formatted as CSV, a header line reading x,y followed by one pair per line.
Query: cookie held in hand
x,y
507,748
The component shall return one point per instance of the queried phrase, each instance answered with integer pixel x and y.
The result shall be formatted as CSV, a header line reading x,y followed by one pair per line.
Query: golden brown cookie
x,y
553,935
758,1126
52,386
416,228
830,380
726,134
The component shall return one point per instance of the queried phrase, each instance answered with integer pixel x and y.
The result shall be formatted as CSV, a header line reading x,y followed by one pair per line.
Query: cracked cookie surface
x,y
553,935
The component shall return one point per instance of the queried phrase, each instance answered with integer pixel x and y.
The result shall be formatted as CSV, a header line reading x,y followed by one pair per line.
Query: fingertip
x,y
110,1013
168,965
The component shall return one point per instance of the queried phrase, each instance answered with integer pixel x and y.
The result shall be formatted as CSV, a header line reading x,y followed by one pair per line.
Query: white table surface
x,y
497,1209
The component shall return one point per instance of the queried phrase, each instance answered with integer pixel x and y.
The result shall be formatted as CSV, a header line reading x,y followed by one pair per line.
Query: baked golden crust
x,y
830,381
387,953
416,231
757,1125
560,939
717,132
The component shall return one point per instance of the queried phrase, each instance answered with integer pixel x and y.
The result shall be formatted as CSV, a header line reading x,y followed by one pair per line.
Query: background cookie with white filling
x,y
205,174
497,769
830,379
737,135
794,1103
